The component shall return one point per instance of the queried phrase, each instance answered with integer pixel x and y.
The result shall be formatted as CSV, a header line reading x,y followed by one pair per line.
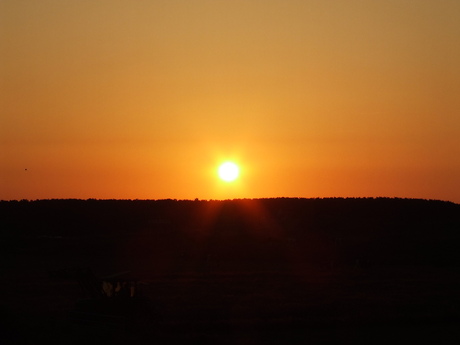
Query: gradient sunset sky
x,y
143,99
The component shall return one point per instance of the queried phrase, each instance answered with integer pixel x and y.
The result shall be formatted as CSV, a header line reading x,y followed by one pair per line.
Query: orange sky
x,y
143,99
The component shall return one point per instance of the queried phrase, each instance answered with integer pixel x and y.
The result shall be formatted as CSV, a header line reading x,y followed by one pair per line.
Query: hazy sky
x,y
143,99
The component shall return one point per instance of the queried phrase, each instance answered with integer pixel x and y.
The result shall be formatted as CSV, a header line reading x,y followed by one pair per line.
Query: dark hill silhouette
x,y
285,270
330,231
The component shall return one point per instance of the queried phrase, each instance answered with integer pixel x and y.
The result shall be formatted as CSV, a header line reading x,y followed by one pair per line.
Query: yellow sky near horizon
x,y
122,99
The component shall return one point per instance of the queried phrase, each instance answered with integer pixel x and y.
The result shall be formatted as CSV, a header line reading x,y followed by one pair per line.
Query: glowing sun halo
x,y
228,171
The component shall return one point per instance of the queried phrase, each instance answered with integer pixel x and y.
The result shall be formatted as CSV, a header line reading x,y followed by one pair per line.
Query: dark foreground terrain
x,y
268,271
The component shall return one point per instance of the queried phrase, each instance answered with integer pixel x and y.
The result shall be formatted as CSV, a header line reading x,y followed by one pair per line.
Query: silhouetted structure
x,y
114,301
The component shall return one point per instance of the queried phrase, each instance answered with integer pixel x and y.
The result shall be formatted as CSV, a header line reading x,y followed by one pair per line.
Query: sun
x,y
228,171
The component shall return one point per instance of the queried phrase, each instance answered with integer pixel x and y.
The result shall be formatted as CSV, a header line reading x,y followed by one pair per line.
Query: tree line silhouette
x,y
272,232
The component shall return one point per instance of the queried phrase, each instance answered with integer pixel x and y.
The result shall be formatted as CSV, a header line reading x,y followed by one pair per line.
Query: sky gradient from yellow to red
x,y
143,99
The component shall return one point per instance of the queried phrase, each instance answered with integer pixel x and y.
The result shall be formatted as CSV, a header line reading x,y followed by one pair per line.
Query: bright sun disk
x,y
228,171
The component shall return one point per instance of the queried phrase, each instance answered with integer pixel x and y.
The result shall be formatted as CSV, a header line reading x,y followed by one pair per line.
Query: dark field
x,y
374,271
